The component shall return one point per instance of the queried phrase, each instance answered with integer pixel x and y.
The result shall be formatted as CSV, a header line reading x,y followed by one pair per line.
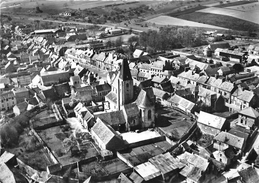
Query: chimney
x,y
118,96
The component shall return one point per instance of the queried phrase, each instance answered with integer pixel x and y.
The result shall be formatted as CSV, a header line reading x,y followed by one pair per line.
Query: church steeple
x,y
125,74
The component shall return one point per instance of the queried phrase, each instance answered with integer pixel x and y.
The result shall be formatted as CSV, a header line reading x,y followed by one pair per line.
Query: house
x,y
84,93
137,53
62,90
242,99
228,147
6,174
167,164
160,94
233,55
20,108
99,58
226,89
80,71
214,85
54,77
194,64
224,71
162,83
210,124
20,94
7,100
195,167
105,137
249,175
214,46
180,103
148,171
208,97
253,49
189,76
84,116
115,119
75,81
101,91
248,118
10,67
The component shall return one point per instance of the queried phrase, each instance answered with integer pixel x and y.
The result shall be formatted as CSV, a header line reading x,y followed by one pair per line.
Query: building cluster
x,y
168,116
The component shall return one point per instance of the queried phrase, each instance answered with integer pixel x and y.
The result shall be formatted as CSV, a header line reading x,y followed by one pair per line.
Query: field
x,y
221,20
61,4
167,20
247,12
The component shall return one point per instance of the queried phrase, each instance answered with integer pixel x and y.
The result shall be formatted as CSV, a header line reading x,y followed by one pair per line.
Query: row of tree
x,y
171,38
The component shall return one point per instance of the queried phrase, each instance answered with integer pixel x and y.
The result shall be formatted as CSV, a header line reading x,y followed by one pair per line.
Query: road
x,y
79,23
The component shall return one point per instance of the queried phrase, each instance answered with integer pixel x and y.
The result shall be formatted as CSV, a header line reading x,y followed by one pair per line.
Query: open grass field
x,y
247,12
228,22
172,21
60,4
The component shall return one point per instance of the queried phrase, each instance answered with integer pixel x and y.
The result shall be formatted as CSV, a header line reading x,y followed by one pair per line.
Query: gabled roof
x,y
194,159
125,74
211,120
249,175
216,45
147,171
112,118
146,98
246,96
230,139
227,86
157,79
106,134
249,111
203,92
131,110
103,87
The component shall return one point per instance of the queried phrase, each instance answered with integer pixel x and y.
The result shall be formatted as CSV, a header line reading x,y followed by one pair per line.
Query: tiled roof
x,y
211,80
227,86
216,45
166,163
103,87
107,135
112,96
147,171
217,83
160,93
131,110
249,111
230,139
249,175
112,118
203,92
146,98
202,79
211,120
246,96
194,159
157,79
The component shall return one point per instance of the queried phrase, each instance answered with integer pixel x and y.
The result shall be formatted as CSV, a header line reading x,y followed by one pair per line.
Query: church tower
x,y
125,82
122,88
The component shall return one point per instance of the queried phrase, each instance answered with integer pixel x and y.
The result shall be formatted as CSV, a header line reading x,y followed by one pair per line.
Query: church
x,y
141,108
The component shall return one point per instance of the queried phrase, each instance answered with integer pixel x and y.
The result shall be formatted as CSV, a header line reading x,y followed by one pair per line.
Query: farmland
x,y
167,20
247,12
221,20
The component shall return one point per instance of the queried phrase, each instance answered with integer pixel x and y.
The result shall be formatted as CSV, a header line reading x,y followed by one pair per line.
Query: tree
x,y
118,42
108,44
